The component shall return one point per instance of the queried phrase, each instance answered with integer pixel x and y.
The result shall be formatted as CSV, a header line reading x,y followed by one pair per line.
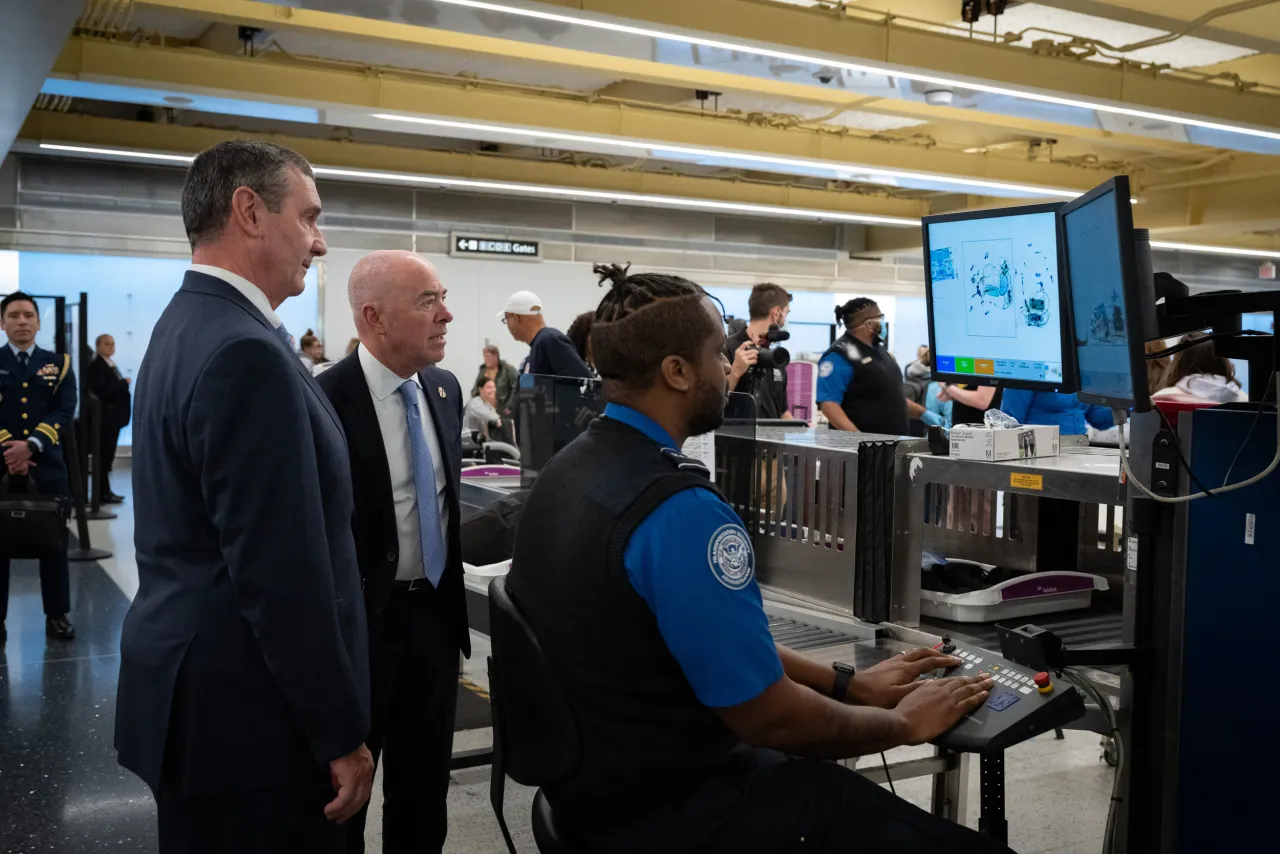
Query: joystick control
x,y
948,648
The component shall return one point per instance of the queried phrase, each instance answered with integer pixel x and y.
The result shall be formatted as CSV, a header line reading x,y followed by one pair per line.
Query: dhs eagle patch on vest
x,y
826,369
732,561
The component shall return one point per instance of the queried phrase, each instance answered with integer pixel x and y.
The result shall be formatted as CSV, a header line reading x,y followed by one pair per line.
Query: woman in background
x,y
1197,374
481,415
311,350
506,380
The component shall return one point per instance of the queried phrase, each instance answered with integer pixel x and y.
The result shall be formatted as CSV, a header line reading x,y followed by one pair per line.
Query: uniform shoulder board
x,y
684,463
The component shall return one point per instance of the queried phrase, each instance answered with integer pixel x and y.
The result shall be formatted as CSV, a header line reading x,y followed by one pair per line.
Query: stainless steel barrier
x,y
1021,532
809,531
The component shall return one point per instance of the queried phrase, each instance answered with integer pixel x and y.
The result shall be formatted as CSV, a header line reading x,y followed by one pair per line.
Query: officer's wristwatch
x,y
844,673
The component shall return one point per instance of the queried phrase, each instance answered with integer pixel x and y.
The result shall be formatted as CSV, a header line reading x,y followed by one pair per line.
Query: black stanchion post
x,y
93,424
86,551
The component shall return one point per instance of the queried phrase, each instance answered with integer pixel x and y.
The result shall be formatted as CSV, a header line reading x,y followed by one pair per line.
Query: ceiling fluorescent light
x,y
533,189
764,159
862,69
1214,250
117,152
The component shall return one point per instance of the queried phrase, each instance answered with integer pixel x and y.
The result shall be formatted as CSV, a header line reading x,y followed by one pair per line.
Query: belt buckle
x,y
416,584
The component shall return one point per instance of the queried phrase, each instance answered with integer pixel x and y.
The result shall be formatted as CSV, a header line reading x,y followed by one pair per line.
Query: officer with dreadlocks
x,y
638,580
860,386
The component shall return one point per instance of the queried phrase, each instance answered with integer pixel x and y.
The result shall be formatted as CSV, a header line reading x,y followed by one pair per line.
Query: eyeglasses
x,y
505,318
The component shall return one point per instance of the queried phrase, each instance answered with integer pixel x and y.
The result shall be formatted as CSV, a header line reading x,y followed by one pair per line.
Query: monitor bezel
x,y
1066,331
1140,401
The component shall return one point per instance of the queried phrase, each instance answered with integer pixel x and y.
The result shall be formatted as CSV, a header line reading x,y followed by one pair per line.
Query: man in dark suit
x,y
244,696
107,384
37,403
403,418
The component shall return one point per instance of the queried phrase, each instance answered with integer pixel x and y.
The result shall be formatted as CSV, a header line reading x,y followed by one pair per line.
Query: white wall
x,y
478,290
8,271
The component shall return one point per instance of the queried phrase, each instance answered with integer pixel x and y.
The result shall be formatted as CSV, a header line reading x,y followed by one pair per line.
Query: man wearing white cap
x,y
551,353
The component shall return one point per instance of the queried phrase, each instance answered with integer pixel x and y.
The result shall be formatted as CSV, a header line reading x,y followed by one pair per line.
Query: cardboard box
x,y
997,444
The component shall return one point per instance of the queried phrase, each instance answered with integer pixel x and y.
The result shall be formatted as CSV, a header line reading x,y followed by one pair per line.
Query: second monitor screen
x,y
1098,293
994,284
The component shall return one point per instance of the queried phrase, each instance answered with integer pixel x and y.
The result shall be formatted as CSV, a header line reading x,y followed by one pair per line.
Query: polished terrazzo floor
x,y
61,790
60,787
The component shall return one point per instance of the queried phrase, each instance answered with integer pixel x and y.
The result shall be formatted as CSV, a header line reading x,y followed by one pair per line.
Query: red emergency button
x,y
1043,683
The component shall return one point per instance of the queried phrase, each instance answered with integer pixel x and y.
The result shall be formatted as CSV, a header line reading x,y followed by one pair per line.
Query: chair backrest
x,y
532,717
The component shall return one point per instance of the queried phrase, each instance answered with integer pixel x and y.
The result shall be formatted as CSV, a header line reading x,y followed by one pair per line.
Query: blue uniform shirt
x,y
1046,407
835,372
692,563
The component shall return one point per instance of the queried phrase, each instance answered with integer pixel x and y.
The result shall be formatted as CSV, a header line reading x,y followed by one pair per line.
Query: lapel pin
x,y
440,391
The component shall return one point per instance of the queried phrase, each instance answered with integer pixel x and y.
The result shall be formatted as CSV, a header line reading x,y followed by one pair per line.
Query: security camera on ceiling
x,y
939,97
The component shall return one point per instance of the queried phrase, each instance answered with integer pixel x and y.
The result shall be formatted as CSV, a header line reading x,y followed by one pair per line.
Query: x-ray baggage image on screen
x,y
994,292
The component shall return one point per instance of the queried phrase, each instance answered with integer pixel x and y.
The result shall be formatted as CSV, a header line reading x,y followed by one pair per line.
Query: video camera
x,y
771,357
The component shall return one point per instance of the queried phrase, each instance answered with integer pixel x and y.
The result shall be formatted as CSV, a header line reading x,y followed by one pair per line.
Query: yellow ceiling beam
x,y
44,126
330,24
327,24
1255,28
279,78
824,30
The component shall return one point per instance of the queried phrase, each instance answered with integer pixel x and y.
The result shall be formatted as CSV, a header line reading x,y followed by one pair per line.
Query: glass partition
x,y
553,411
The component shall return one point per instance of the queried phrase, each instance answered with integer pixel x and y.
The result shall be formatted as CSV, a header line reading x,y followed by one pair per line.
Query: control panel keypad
x,y
1003,675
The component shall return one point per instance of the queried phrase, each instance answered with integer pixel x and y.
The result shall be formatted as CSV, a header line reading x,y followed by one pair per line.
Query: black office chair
x,y
535,735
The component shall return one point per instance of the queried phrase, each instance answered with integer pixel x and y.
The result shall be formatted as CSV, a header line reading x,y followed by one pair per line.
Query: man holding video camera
x,y
758,367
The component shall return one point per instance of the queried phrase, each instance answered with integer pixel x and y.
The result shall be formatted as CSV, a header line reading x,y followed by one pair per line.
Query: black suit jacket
x,y
110,388
244,656
377,543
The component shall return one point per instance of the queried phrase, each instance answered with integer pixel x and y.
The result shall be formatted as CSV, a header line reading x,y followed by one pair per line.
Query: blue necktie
x,y
424,482
285,336
23,358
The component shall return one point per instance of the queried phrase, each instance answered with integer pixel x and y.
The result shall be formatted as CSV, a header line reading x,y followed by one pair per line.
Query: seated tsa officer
x,y
698,733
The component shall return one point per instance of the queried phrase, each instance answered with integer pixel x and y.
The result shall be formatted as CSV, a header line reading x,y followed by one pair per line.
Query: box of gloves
x,y
998,444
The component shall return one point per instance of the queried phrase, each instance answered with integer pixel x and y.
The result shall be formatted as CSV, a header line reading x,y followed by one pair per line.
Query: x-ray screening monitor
x,y
998,313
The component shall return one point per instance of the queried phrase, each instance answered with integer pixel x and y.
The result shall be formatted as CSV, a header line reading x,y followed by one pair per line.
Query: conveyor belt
x,y
801,637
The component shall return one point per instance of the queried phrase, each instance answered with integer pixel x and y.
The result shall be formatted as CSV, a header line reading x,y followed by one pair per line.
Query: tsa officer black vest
x,y
646,740
874,399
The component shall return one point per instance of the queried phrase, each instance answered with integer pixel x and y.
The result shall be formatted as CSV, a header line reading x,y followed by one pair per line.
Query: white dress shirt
x,y
389,406
251,291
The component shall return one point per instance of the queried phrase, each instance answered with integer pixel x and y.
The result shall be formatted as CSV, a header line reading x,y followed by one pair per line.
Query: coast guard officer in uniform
x,y
638,580
37,404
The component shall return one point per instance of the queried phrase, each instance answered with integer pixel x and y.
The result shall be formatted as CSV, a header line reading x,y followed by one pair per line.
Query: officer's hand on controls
x,y
885,684
938,704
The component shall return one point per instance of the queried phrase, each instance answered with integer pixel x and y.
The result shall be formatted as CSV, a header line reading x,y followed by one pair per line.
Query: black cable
x,y
1182,459
885,763
1271,383
1188,343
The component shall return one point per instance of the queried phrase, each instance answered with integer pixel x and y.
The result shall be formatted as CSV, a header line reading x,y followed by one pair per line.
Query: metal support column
x,y
991,820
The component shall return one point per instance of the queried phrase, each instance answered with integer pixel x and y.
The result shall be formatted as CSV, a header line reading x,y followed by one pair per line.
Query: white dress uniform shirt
x,y
251,291
387,403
